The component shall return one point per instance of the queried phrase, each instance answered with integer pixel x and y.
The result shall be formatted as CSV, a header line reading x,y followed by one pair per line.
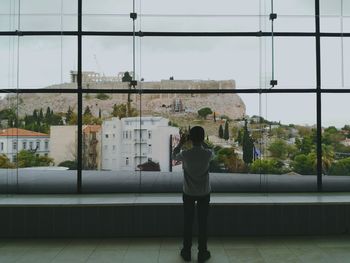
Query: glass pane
x,y
335,142
238,7
330,24
346,8
346,24
287,142
335,16
166,116
55,62
48,15
110,143
346,58
8,62
332,8
331,63
233,59
300,7
295,62
199,23
202,16
34,143
107,15
105,62
294,23
8,15
8,143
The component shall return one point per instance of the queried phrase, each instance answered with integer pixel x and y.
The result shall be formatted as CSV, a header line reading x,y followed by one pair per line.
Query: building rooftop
x,y
21,133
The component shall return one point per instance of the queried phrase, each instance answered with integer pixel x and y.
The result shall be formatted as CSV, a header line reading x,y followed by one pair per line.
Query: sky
x,y
45,61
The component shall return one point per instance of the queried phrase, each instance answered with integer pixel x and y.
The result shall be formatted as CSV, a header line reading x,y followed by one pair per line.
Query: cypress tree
x,y
48,113
221,132
87,111
35,115
226,132
247,146
69,115
41,114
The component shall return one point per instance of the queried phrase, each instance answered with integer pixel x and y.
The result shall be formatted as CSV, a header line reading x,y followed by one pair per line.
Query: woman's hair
x,y
197,134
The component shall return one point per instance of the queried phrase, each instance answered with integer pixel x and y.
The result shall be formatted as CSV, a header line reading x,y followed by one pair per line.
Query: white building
x,y
128,142
14,140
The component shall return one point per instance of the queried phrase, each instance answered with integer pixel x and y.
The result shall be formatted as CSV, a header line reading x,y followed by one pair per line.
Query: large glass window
x,y
123,85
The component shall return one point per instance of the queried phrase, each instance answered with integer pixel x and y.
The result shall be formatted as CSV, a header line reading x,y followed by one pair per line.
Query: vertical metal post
x,y
171,153
318,96
80,99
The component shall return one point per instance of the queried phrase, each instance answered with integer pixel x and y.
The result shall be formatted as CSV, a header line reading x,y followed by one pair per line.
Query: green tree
x,y
266,166
221,132
102,96
278,149
305,145
120,111
226,131
304,163
341,167
73,119
69,114
41,115
71,165
235,131
35,114
240,136
87,111
48,114
30,159
87,116
229,158
204,112
247,146
327,157
5,162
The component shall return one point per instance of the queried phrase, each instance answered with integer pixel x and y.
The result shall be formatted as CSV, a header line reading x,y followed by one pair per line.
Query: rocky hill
x,y
223,104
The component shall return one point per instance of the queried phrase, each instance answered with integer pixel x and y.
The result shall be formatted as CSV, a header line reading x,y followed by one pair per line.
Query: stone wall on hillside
x,y
223,104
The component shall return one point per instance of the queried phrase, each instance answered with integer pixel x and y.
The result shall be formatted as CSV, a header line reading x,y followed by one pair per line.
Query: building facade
x,y
14,140
129,142
64,145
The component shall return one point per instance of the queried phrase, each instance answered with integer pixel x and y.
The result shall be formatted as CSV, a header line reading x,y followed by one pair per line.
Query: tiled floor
x,y
332,249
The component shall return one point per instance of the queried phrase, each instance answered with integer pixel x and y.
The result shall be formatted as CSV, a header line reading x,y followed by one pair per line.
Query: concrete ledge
x,y
99,200
161,215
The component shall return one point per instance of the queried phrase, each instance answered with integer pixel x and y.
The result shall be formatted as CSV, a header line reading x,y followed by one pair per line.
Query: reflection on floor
x,y
255,249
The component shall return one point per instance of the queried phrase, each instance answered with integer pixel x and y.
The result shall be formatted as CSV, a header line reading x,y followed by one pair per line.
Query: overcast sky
x,y
44,61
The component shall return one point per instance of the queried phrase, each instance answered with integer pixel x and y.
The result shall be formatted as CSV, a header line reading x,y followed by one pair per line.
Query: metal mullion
x,y
33,90
318,96
171,34
38,33
336,90
80,100
198,91
151,91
